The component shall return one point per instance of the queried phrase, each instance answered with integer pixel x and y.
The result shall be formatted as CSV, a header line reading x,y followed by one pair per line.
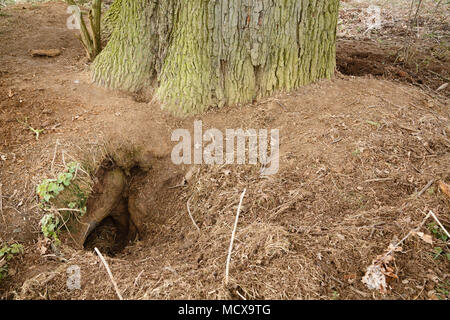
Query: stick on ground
x,y
439,223
425,188
227,269
190,215
1,203
109,273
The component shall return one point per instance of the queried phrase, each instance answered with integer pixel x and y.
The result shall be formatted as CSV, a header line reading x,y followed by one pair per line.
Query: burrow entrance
x,y
111,235
126,201
108,224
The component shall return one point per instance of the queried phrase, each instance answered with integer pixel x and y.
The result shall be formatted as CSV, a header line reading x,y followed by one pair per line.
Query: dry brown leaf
x,y
395,249
350,277
445,188
388,271
43,245
384,259
425,237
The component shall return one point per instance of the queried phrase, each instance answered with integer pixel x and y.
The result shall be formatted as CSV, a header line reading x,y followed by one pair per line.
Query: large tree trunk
x,y
203,53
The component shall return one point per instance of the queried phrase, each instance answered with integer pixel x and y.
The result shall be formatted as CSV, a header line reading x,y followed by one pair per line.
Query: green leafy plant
x,y
6,254
437,231
335,295
50,188
438,252
35,131
442,291
50,225
60,198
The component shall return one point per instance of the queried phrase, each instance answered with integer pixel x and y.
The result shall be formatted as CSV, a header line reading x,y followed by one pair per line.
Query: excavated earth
x,y
355,152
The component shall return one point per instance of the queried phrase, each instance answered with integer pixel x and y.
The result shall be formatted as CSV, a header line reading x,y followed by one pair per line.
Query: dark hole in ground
x,y
111,230
389,61
357,59
114,232
107,237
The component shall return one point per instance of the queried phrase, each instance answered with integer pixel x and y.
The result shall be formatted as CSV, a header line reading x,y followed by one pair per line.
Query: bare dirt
x,y
354,153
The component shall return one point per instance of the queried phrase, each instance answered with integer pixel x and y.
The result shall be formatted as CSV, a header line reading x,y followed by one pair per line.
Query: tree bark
x,y
203,53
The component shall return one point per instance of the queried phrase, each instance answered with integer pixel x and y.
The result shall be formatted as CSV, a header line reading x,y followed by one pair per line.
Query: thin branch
x,y
230,249
54,156
1,203
190,215
417,12
425,188
439,223
109,273
406,237
379,180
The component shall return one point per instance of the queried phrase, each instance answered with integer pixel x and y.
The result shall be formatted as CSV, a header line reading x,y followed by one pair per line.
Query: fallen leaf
x,y
350,277
425,237
389,272
445,188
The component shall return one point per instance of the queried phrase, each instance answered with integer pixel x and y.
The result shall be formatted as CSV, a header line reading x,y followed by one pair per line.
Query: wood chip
x,y
45,53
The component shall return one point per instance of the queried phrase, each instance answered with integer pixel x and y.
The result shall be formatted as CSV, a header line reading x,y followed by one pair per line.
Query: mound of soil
x,y
355,153
367,58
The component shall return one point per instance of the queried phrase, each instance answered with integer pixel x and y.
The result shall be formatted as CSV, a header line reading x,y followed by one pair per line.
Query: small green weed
x,y
50,188
437,231
60,198
6,254
50,225
37,132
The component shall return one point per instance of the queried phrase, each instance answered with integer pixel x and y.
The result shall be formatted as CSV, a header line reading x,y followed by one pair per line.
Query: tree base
x,y
201,54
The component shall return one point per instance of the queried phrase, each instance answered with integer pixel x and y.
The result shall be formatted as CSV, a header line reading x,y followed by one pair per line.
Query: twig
x,y
227,269
109,273
182,184
240,295
95,20
439,223
407,236
280,104
138,277
336,140
54,155
439,75
425,188
190,215
1,203
417,12
365,295
379,180
65,225
90,40
69,209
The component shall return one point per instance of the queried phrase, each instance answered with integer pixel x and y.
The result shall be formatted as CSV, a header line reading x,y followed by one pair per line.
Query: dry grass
x,y
355,153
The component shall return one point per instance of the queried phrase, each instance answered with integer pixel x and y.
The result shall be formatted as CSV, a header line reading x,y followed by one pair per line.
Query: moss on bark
x,y
206,53
110,19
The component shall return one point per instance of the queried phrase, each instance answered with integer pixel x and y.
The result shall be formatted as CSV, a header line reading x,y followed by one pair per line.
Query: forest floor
x,y
355,155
